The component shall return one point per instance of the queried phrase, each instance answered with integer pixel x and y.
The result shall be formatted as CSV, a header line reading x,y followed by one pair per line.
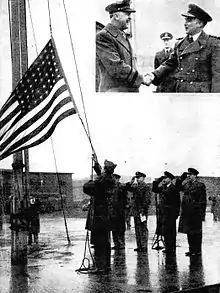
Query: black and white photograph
x,y
109,146
173,45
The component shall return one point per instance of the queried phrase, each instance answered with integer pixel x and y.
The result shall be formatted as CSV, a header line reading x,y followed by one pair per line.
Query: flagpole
x,y
18,33
24,67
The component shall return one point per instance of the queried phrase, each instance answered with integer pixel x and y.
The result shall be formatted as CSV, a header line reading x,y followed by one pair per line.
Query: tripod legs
x,y
157,240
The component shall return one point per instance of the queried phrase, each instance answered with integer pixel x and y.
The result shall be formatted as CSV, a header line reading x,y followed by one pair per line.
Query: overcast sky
x,y
146,132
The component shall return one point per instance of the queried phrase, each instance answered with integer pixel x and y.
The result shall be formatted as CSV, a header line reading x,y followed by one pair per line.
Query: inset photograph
x,y
166,46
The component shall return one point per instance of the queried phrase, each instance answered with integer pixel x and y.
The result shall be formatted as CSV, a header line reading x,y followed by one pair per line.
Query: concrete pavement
x,y
52,267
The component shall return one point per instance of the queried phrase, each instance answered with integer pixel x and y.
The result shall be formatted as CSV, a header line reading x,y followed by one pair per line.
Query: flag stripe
x,y
39,102
19,132
42,129
41,139
29,119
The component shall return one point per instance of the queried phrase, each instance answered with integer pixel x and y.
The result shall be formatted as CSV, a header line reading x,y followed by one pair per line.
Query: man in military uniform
x,y
140,205
168,83
99,27
215,207
114,54
102,189
119,201
195,61
193,211
169,207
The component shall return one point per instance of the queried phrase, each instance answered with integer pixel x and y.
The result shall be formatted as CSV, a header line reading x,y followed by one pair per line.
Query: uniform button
x,y
197,58
181,68
181,80
193,70
181,57
191,82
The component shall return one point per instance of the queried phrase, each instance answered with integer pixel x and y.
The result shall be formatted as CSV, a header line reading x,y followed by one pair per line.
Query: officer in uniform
x,y
169,207
193,211
99,27
102,189
140,205
195,61
114,54
168,83
119,201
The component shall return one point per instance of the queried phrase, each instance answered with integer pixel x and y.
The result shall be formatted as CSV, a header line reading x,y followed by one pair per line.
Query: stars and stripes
x,y
38,103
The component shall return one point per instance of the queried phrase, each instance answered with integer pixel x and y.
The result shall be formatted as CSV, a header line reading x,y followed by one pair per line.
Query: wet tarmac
x,y
52,266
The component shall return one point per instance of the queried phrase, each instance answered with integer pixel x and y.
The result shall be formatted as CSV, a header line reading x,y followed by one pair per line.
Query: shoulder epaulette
x,y
178,39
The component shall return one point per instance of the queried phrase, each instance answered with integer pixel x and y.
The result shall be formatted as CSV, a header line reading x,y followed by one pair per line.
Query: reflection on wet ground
x,y
52,266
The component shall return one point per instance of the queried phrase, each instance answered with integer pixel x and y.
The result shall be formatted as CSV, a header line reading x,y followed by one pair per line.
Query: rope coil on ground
x,y
83,269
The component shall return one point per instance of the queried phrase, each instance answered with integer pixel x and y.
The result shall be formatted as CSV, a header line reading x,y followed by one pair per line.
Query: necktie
x,y
190,39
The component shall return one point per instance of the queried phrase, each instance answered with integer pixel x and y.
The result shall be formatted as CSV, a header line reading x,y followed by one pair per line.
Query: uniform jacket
x,y
102,189
168,83
34,217
168,206
118,204
117,66
193,207
141,198
196,66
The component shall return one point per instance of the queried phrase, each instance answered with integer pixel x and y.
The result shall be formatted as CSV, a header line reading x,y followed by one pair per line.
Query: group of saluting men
x,y
193,65
108,207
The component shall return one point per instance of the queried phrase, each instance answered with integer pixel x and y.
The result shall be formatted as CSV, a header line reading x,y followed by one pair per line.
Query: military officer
x,y
195,61
115,58
169,207
140,205
119,201
99,27
168,83
102,189
193,211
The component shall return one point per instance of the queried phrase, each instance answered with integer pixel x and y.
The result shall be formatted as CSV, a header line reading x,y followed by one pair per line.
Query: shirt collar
x,y
195,37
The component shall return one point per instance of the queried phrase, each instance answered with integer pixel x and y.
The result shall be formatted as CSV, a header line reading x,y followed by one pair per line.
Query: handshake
x,y
148,78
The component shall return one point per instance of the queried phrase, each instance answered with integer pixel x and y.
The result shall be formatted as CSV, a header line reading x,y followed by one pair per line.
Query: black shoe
x,y
187,253
99,271
137,249
140,249
173,251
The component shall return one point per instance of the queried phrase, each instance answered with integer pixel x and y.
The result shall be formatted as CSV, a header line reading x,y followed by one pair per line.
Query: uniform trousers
x,y
118,238
141,233
195,241
102,249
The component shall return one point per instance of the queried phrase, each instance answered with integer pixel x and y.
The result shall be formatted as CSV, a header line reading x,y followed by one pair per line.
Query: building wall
x,y
46,186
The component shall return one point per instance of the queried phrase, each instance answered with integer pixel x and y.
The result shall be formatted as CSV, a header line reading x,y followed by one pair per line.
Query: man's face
x,y
140,179
191,177
192,25
123,19
166,43
167,180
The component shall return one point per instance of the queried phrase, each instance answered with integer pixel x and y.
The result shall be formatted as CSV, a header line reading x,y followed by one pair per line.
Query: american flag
x,y
38,103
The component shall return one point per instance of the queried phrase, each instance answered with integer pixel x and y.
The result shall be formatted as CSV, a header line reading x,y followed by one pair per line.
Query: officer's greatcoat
x,y
117,66
102,189
169,206
196,66
193,207
168,83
